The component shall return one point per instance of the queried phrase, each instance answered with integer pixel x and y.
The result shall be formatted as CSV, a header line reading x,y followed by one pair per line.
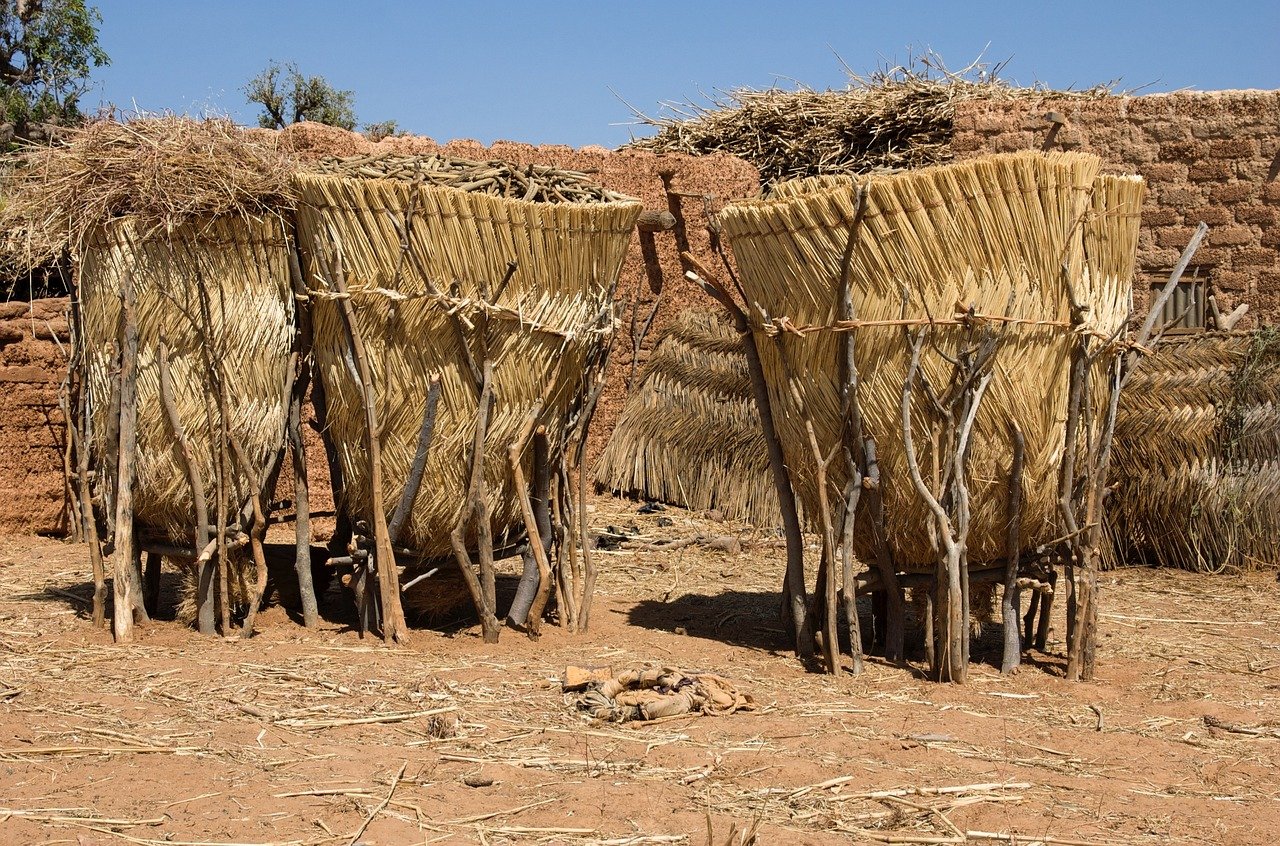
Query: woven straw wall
x,y
551,318
1006,234
241,265
689,433
1197,454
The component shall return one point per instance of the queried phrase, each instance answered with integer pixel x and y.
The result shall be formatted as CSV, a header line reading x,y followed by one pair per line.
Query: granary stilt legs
x,y
1009,604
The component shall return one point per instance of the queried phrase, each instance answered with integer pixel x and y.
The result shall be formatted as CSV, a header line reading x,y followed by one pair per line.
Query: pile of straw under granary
x,y
1198,454
939,338
449,318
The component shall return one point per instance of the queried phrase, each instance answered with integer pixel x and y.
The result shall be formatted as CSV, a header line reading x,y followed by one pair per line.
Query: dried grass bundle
x,y
690,432
896,118
162,171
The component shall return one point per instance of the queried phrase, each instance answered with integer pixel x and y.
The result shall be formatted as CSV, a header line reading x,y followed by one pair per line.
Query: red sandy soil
x,y
179,739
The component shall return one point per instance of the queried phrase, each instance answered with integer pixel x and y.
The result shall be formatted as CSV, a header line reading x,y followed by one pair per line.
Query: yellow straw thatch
x,y
1005,235
240,265
543,327
689,433
1197,454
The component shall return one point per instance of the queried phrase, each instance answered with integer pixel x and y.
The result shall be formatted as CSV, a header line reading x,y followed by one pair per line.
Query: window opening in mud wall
x,y
1186,307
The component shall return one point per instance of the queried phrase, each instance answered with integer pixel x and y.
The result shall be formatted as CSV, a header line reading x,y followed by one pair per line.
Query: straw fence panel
x,y
1004,233
545,330
241,337
1197,454
690,433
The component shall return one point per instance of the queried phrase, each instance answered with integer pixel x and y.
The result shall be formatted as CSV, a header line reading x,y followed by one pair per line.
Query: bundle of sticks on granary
x,y
937,357
448,320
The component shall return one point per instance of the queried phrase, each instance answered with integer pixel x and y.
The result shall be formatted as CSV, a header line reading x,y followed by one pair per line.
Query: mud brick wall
x,y
1206,156
32,367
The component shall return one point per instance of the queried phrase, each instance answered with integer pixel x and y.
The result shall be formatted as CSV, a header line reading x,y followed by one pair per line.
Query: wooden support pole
x,y
394,627
1009,604
528,590
541,501
195,481
127,588
476,507
419,466
87,517
794,589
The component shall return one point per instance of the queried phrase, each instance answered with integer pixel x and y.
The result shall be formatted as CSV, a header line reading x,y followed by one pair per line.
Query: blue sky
x,y
558,72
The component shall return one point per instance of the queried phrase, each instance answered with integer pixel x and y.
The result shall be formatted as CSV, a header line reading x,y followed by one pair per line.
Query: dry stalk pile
x,y
508,305
531,183
161,171
1198,454
898,118
689,432
920,335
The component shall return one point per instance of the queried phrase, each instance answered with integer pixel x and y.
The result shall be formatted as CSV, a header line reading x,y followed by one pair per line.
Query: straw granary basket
x,y
242,336
1197,454
1007,235
544,328
689,432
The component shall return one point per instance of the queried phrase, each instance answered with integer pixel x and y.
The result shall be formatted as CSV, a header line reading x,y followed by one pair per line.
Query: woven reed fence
x,y
1198,454
214,297
689,433
989,232
525,286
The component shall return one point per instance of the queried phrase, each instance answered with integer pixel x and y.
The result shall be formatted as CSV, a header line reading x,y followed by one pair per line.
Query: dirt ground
x,y
319,737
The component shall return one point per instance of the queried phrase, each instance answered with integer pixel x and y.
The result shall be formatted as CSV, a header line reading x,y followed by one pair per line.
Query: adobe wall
x,y
1207,156
32,367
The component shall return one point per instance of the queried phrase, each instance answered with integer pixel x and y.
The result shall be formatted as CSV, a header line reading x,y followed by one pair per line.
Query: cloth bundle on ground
x,y
662,692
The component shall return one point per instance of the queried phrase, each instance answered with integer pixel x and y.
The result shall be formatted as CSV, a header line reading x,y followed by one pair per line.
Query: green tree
x,y
287,96
47,50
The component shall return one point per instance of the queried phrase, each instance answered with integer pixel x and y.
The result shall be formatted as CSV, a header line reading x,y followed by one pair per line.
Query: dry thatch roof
x,y
895,118
162,171
1197,454
1002,233
689,433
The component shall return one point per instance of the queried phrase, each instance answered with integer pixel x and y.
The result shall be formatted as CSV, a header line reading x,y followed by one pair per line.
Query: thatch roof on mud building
x,y
895,118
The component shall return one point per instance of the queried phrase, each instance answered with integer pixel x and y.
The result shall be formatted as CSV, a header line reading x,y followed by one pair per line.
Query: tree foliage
x,y
287,96
47,50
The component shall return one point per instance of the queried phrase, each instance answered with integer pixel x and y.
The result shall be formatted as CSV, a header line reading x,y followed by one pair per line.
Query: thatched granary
x,y
183,327
542,323
993,233
1197,454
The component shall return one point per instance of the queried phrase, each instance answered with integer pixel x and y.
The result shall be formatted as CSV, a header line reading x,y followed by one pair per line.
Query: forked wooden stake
x,y
394,627
127,580
195,480
1009,602
476,505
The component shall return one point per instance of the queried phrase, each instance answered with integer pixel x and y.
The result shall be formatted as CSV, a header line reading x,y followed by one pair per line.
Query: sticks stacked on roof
x,y
896,118
531,183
